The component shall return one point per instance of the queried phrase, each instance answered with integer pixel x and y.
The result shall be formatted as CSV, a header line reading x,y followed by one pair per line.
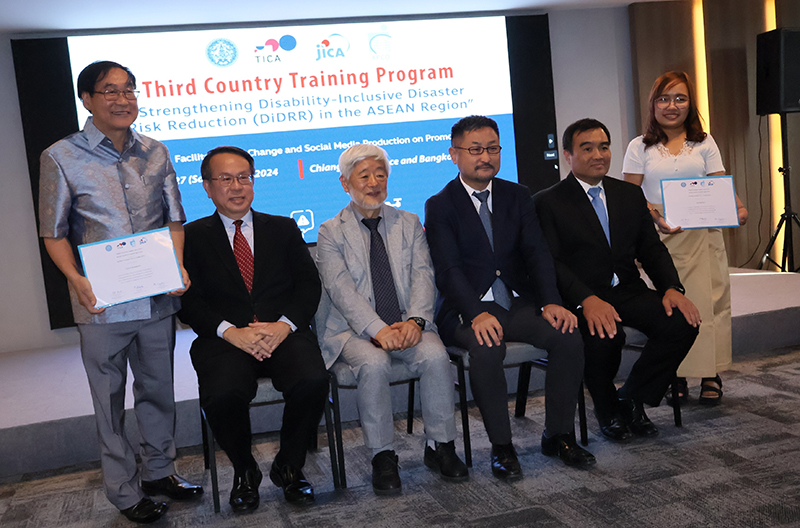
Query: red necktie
x,y
244,257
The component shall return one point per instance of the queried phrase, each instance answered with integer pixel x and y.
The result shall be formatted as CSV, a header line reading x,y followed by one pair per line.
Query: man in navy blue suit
x,y
498,283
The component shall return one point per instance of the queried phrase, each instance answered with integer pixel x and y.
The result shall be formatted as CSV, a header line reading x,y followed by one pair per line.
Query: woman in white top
x,y
674,145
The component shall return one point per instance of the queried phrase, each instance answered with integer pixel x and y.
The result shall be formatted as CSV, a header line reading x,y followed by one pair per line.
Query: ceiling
x,y
19,17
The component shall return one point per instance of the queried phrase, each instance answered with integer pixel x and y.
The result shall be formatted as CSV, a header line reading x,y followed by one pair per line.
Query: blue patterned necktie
x,y
600,209
499,288
386,303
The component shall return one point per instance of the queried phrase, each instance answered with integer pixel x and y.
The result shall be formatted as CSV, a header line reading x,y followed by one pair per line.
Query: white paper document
x,y
694,203
131,267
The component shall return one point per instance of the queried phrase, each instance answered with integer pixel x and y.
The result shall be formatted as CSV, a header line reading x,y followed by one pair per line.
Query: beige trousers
x,y
702,264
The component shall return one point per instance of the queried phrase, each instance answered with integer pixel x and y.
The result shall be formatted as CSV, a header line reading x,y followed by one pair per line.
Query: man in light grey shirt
x,y
104,182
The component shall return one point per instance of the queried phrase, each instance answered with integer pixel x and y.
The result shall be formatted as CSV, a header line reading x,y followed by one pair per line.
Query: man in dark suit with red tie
x,y
597,227
498,284
255,289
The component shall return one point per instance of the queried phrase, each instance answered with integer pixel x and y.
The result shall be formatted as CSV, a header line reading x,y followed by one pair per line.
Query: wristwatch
x,y
678,288
419,320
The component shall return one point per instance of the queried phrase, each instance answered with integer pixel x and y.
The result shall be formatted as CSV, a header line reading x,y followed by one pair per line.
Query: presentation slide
x,y
296,97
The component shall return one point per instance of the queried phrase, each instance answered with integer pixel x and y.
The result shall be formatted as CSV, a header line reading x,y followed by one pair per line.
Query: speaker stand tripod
x,y
788,216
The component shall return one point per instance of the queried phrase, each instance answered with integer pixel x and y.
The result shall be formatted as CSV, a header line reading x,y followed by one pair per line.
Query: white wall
x,y
592,76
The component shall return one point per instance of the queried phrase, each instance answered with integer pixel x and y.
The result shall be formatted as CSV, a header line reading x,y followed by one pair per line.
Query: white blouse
x,y
695,160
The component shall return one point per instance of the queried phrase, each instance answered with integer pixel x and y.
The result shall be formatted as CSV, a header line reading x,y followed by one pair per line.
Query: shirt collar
x,y
360,217
586,186
247,219
95,136
470,190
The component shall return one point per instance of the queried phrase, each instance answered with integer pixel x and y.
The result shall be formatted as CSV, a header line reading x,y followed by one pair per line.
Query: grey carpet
x,y
733,465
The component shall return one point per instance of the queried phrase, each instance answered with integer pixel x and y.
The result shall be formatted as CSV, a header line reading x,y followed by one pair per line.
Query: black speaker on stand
x,y
778,92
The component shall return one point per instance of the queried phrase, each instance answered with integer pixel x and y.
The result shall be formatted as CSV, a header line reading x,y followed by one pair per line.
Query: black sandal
x,y
683,392
706,386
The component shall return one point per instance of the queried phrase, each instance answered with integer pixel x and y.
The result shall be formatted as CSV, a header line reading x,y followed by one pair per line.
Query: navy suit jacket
x,y
585,263
285,279
463,259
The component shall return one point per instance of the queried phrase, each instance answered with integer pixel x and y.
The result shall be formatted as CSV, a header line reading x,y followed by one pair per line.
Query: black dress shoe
x,y
637,421
244,495
173,486
445,460
615,429
145,511
385,473
505,465
296,489
567,449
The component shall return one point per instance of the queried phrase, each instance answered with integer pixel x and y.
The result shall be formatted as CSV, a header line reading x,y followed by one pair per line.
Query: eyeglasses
x,y
226,179
477,151
681,101
113,95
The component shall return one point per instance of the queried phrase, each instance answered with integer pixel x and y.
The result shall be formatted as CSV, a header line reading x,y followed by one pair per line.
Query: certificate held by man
x,y
695,203
131,267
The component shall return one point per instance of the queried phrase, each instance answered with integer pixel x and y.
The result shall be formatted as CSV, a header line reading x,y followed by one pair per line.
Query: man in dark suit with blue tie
x,y
498,284
597,227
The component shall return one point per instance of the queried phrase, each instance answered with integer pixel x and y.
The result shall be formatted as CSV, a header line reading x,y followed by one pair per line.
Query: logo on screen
x,y
396,203
380,45
222,52
335,46
304,219
268,51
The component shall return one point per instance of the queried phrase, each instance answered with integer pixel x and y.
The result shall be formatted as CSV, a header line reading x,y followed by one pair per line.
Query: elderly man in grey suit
x,y
377,304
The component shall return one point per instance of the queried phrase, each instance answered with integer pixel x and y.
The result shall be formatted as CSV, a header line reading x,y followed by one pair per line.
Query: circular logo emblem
x,y
108,248
288,42
222,52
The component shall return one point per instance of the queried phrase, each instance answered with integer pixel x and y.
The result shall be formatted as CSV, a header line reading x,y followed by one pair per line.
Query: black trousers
x,y
228,379
668,341
523,323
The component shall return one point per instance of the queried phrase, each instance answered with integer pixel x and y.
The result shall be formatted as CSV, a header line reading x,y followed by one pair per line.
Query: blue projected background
x,y
419,169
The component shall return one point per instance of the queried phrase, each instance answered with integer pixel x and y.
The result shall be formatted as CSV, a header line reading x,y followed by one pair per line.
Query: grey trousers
x,y
148,346
428,360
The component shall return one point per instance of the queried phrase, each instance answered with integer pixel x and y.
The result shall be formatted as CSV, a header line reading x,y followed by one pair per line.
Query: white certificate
x,y
694,203
131,267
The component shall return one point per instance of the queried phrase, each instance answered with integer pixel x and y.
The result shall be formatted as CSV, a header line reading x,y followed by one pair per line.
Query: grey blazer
x,y
347,306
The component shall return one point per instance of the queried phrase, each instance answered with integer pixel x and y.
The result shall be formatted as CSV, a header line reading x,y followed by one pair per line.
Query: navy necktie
x,y
386,303
499,288
600,209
